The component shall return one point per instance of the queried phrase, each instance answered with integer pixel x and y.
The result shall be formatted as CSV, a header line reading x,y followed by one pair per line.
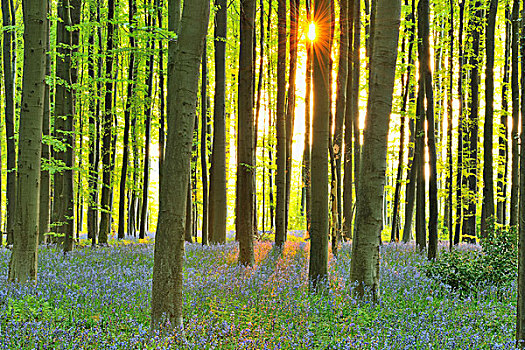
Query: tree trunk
x,y
245,151
92,213
280,127
107,130
290,101
306,193
162,122
218,202
63,200
150,22
127,121
183,79
45,183
412,160
426,74
348,200
365,249
204,145
394,236
514,182
520,319
9,60
23,263
341,104
318,268
504,132
487,209
450,116
419,155
461,127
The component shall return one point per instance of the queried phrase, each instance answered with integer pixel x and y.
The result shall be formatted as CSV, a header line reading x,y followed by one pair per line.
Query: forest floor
x,y
100,299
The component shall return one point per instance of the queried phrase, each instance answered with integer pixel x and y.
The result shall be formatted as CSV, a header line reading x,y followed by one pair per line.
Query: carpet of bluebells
x,y
100,299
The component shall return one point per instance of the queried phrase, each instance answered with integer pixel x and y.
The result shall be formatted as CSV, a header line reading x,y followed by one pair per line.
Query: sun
x,y
311,31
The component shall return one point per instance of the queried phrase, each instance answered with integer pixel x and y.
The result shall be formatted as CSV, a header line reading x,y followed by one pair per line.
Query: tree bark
x,y
107,131
9,61
45,183
514,189
204,145
520,318
218,202
150,22
394,236
290,101
504,132
245,184
461,127
318,268
306,193
63,200
365,249
426,74
352,29
24,258
487,209
341,103
183,78
412,160
127,121
280,127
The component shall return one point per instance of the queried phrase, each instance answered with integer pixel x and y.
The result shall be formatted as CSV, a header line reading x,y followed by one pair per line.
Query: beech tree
x,y
183,79
365,249
218,201
245,148
318,268
24,258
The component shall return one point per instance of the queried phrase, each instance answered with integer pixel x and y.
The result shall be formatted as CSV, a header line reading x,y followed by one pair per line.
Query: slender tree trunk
x,y
183,69
450,116
461,127
419,155
487,210
188,233
348,200
218,202
514,189
257,114
469,224
162,119
92,213
306,192
107,131
204,145
147,140
426,74
365,249
504,131
127,121
412,159
290,101
63,200
341,104
356,88
9,61
24,258
245,151
394,236
45,183
520,318
280,127
318,268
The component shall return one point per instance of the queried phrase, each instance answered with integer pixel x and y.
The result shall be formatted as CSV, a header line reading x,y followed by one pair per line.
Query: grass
x,y
99,299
